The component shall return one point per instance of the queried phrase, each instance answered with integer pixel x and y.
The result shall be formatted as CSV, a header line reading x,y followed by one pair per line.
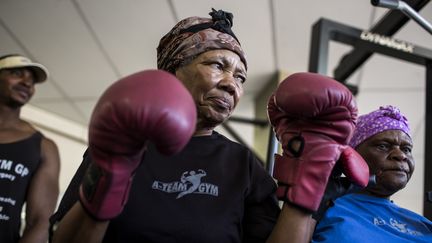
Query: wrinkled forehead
x,y
393,136
224,55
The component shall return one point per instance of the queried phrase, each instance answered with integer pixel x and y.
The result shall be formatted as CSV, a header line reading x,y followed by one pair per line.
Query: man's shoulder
x,y
48,145
21,130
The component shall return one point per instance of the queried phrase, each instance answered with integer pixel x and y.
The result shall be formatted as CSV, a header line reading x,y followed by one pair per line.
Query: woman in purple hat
x,y
383,139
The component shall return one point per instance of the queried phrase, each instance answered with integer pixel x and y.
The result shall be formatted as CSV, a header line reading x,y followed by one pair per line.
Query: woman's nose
x,y
227,83
398,154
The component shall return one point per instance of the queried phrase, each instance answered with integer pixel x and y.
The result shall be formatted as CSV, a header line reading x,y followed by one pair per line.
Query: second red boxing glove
x,y
313,117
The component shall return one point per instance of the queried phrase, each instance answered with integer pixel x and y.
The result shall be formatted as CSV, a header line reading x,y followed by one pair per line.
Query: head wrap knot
x,y
195,35
223,21
394,113
385,118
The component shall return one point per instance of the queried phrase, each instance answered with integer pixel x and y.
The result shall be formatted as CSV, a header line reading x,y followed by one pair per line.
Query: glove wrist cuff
x,y
103,195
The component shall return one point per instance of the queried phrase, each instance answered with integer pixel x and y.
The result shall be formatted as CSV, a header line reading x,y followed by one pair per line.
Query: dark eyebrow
x,y
408,144
242,71
404,142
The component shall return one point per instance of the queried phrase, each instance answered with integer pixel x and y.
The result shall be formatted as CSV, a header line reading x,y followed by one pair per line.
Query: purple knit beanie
x,y
385,118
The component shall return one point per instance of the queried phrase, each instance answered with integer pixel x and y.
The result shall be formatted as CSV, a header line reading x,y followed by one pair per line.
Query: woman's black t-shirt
x,y
214,190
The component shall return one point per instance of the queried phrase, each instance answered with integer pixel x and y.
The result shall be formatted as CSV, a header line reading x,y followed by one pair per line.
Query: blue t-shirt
x,y
361,218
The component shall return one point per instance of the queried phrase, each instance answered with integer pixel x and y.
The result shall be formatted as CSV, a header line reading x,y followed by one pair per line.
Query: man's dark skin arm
x,y
42,195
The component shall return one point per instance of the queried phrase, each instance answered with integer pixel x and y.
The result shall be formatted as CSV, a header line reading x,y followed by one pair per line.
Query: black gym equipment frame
x,y
366,43
388,25
231,131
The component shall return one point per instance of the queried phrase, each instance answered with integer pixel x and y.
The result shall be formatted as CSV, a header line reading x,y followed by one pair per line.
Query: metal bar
x,y
319,47
427,205
232,132
322,32
365,40
391,4
393,48
407,10
257,122
388,26
271,150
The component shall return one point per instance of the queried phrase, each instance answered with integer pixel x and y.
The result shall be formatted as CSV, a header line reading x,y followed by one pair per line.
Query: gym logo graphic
x,y
190,183
393,223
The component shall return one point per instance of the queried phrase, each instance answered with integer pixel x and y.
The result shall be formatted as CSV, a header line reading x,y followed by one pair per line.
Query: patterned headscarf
x,y
385,118
195,35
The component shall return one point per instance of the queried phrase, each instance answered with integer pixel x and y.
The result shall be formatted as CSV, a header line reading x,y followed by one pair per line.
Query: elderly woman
x,y
214,190
383,138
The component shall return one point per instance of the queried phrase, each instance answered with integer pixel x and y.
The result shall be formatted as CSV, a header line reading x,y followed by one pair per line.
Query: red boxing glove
x,y
147,106
313,117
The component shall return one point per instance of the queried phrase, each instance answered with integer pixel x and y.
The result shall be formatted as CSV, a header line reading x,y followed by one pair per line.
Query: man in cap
x,y
29,162
383,139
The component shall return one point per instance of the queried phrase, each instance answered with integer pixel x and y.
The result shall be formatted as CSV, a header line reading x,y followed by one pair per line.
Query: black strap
x,y
222,22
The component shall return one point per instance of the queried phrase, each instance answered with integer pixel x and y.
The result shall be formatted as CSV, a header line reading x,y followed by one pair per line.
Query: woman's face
x,y
389,157
215,80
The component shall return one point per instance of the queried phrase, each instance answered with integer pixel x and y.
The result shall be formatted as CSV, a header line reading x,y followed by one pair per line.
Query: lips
x,y
23,92
221,103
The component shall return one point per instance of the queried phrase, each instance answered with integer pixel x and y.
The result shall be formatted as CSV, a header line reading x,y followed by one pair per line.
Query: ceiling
x,y
88,44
